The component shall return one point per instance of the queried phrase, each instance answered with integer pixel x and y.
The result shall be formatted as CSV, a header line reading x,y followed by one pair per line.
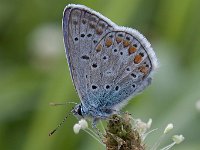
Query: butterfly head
x,y
78,111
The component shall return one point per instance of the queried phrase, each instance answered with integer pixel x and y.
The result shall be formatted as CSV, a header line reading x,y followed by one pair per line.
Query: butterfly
x,y
109,64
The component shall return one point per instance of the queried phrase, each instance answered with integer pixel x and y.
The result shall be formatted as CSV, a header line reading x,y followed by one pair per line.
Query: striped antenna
x,y
58,104
53,131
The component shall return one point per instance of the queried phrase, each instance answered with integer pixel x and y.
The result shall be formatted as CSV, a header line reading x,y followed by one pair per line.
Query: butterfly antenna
x,y
53,131
57,104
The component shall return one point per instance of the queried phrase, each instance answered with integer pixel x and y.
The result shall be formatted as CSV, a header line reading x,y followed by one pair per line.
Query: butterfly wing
x,y
129,66
109,64
82,30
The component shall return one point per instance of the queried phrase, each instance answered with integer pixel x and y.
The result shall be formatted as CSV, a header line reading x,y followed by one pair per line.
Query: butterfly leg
x,y
94,126
111,111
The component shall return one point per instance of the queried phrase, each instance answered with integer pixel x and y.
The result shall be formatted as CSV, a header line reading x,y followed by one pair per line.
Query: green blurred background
x,y
34,71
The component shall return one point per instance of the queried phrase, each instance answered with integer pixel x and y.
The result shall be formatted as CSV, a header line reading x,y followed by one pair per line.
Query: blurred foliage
x,y
34,72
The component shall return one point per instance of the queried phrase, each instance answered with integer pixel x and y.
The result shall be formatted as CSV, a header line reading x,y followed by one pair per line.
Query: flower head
x,y
83,123
168,128
141,126
76,128
121,134
178,138
149,123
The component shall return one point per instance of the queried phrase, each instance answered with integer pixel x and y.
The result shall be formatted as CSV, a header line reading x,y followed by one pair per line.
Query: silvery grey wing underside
x,y
109,64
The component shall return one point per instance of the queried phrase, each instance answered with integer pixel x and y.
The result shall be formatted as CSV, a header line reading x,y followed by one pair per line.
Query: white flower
x,y
141,126
149,123
168,128
77,128
83,123
178,138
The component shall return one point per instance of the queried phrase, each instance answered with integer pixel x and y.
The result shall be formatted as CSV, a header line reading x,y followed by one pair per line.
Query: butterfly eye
x,y
79,110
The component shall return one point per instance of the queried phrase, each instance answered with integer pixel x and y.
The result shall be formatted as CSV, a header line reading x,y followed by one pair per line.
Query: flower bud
x,y
178,138
83,123
168,128
76,128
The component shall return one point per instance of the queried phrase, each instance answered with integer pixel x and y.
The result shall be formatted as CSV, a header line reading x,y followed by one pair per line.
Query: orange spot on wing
x,y
137,59
118,39
99,48
99,31
92,25
143,69
126,43
108,42
132,49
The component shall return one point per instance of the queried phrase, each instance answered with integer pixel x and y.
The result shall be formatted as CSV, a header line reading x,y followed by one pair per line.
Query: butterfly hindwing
x,y
125,66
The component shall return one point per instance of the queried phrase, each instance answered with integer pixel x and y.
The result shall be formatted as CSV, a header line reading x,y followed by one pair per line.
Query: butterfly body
x,y
109,64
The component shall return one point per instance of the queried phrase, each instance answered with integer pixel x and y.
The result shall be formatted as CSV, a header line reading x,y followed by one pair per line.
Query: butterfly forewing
x,y
82,31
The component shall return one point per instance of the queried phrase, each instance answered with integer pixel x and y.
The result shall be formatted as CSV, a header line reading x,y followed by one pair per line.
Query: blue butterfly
x,y
109,64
